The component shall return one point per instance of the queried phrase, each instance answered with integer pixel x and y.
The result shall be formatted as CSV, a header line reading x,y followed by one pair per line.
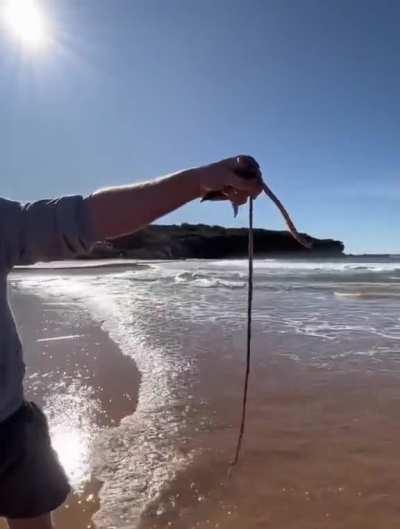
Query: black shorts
x,y
32,481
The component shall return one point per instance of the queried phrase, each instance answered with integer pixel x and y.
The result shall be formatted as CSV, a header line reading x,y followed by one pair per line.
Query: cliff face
x,y
212,242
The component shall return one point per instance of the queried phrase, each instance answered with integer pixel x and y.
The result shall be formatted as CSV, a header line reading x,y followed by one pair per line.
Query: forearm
x,y
119,211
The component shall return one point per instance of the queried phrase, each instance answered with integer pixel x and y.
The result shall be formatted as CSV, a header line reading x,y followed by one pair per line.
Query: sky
x,y
127,90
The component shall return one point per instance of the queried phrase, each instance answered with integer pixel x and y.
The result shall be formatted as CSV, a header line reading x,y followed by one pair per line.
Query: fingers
x,y
252,187
235,196
247,164
240,173
245,175
244,162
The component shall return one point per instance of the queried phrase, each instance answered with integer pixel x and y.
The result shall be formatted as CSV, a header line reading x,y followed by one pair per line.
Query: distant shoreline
x,y
86,265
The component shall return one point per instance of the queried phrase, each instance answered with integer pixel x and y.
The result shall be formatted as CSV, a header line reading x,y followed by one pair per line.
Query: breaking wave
x,y
327,310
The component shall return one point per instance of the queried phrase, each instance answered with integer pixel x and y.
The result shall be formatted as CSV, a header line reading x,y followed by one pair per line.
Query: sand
x,y
59,347
321,445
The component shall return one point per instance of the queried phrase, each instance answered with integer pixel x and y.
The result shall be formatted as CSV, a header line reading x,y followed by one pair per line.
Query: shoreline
x,y
98,264
62,354
322,429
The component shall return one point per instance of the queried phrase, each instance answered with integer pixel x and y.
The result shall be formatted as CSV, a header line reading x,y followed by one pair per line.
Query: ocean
x,y
322,389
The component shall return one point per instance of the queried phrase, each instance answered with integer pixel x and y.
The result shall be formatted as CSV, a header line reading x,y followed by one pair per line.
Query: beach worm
x,y
292,228
248,168
253,172
248,339
299,238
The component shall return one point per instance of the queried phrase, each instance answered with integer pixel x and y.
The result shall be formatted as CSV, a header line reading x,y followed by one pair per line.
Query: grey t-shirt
x,y
38,231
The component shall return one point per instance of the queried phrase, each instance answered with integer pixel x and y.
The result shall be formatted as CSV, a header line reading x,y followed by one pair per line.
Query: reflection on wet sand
x,y
321,451
73,430
322,436
83,383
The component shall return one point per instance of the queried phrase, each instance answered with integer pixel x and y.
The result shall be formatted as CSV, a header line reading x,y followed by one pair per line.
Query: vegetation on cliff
x,y
212,242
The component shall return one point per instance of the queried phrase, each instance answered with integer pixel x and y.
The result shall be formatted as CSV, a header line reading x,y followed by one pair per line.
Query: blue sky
x,y
133,89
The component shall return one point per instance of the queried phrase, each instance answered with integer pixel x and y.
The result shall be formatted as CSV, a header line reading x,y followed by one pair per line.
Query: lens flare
x,y
27,21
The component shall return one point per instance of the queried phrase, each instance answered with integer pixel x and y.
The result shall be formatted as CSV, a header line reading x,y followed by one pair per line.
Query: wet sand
x,y
320,451
321,443
63,345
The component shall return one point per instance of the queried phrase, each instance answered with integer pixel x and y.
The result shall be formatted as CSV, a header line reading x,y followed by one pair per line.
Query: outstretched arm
x,y
119,211
69,226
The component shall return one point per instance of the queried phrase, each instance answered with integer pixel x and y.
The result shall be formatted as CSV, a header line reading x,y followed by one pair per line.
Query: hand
x,y
235,179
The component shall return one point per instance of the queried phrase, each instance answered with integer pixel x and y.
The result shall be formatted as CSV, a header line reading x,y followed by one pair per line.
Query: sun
x,y
27,21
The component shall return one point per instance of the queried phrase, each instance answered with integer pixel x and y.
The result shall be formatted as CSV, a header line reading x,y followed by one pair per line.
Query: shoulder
x,y
9,206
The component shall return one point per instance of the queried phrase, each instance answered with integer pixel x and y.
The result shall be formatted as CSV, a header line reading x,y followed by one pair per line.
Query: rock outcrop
x,y
211,242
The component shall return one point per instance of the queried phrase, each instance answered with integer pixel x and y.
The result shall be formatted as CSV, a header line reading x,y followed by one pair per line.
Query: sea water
x,y
183,324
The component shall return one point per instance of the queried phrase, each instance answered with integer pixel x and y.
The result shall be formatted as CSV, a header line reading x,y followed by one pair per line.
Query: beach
x,y
140,370
79,375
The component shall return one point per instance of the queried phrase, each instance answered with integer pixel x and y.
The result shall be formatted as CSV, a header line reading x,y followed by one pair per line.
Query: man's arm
x,y
44,230
69,226
122,210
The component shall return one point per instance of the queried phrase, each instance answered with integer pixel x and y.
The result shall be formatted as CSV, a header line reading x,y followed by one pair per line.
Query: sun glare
x,y
26,20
